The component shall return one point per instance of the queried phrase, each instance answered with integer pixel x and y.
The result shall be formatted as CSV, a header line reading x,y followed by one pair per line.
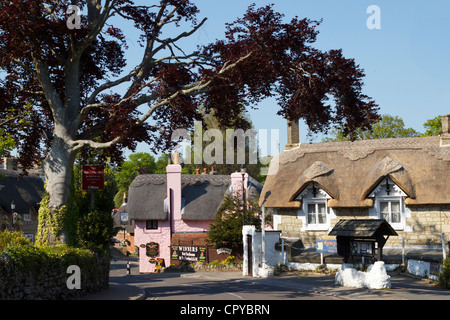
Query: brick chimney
x,y
236,183
174,188
293,134
445,136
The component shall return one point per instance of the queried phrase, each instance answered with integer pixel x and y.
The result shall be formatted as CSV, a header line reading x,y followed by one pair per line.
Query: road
x,y
202,286
213,287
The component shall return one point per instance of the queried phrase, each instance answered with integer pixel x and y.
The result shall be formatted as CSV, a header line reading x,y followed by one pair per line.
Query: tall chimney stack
x,y
445,136
293,134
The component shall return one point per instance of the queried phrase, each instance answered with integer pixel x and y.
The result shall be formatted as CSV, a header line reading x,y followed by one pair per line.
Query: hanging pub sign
x,y
188,253
152,249
93,178
123,218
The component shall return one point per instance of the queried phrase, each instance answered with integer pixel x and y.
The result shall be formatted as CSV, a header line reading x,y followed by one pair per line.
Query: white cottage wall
x,y
272,256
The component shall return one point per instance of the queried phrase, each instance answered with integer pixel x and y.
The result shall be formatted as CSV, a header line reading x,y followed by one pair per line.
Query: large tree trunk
x,y
58,169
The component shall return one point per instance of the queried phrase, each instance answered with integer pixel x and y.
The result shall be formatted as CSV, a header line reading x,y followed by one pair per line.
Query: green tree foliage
x,y
6,142
387,127
12,238
226,230
95,230
212,147
433,127
137,163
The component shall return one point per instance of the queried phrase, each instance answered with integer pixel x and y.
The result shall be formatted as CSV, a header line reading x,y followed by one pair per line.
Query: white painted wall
x,y
272,256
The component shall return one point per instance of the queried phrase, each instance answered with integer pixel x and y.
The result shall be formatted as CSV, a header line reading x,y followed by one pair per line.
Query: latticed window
x,y
391,211
317,213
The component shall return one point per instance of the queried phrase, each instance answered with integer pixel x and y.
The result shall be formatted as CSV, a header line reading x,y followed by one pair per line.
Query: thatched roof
x,y
118,224
350,171
203,196
26,191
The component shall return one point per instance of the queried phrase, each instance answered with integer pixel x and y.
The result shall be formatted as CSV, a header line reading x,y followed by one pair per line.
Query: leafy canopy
x,y
85,94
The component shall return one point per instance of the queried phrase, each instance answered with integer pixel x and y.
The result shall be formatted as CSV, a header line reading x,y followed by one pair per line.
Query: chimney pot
x,y
176,158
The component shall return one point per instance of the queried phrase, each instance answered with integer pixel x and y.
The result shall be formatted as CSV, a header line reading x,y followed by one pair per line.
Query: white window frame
x,y
308,198
396,225
395,195
315,202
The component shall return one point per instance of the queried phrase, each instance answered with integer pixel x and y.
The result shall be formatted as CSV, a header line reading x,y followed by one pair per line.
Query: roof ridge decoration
x,y
387,166
355,150
317,169
441,153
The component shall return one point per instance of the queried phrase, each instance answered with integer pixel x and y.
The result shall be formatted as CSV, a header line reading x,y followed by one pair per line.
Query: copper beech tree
x,y
86,95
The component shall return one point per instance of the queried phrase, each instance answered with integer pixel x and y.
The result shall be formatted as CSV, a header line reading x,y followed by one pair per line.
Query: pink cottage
x,y
173,212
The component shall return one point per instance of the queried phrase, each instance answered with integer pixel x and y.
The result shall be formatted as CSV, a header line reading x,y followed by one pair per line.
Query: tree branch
x,y
78,144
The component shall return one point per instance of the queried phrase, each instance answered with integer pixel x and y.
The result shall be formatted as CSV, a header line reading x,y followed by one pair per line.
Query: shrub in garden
x,y
444,275
12,238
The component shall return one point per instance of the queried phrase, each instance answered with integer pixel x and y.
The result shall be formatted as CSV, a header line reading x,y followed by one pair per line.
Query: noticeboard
x,y
93,178
188,253
326,246
363,248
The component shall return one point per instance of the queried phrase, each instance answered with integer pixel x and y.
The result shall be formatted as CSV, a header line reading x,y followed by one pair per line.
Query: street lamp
x,y
13,206
243,171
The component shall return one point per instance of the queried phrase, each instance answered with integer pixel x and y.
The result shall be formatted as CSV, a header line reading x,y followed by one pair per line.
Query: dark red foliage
x,y
260,56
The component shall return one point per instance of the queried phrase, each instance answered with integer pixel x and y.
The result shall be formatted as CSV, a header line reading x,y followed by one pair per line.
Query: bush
x,y
12,238
230,260
444,275
95,230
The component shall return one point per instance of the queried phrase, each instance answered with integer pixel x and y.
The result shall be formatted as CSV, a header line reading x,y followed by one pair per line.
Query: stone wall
x,y
428,223
48,281
424,227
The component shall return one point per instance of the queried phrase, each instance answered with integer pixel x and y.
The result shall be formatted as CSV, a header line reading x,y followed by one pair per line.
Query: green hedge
x,y
444,274
32,272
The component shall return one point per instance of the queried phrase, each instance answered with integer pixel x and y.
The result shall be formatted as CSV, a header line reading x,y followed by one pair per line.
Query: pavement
x,y
131,287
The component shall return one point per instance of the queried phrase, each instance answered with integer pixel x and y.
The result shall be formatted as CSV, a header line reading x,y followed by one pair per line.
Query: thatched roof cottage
x,y
405,181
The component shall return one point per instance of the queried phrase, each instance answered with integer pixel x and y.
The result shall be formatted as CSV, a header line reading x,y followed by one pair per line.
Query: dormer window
x,y
314,212
389,204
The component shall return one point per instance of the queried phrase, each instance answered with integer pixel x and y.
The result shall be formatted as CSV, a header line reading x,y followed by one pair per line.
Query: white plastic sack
x,y
376,278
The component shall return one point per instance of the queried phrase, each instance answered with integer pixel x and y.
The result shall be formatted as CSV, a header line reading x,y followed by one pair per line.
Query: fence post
x,y
444,253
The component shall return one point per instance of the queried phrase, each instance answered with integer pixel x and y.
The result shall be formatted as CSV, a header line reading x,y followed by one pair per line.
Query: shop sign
x,y
224,250
152,249
188,253
326,246
93,178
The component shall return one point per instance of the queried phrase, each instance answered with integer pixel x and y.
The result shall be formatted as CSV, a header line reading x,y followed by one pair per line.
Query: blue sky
x,y
406,61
